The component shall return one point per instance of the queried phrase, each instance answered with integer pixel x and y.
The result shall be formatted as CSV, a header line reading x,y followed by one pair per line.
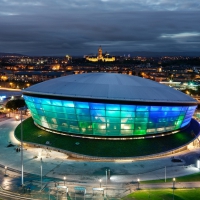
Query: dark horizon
x,y
126,54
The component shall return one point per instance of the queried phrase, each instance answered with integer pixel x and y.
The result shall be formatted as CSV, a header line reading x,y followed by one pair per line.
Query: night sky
x,y
78,27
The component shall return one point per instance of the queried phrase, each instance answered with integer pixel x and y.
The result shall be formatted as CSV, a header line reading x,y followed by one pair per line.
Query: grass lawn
x,y
107,148
187,178
164,194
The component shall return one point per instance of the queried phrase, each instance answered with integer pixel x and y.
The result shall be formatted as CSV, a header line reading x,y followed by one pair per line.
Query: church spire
x,y
100,56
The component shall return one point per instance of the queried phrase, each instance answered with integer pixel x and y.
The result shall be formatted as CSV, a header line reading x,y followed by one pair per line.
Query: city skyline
x,y
80,27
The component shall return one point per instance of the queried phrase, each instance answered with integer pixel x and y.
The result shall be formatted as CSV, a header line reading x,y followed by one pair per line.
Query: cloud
x,y
180,35
78,27
8,13
20,3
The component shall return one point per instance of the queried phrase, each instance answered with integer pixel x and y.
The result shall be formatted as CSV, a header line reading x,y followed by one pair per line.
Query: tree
x,y
133,73
15,104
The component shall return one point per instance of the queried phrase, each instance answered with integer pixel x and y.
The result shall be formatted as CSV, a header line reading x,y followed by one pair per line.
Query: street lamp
x,y
138,183
106,180
174,181
17,117
100,182
198,164
41,171
22,161
64,179
49,193
108,174
5,170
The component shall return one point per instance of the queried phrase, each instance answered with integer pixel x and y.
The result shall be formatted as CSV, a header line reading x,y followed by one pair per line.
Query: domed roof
x,y
109,86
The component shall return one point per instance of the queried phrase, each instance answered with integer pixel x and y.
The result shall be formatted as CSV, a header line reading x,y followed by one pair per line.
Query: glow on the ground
x,y
12,138
122,161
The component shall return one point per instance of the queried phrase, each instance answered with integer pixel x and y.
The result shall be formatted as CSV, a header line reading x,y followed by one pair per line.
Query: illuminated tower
x,y
100,53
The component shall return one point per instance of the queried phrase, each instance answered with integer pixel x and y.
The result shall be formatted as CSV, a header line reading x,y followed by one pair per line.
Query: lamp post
x,y
49,194
198,164
100,182
22,161
5,170
138,183
41,170
174,181
108,174
64,179
106,180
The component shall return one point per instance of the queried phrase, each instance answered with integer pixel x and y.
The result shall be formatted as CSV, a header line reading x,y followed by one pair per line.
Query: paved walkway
x,y
56,165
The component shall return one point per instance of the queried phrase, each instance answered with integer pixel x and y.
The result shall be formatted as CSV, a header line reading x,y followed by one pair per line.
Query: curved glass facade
x,y
100,119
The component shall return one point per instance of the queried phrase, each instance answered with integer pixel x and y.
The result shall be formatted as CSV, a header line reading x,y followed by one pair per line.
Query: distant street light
x,y
108,174
198,164
106,180
22,164
64,179
100,182
22,161
174,181
49,193
17,117
138,183
41,170
5,170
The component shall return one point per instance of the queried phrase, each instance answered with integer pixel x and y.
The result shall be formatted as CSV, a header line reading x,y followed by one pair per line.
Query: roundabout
x,y
108,150
105,116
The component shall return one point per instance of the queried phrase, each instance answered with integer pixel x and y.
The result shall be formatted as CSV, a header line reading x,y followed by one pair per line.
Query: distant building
x,y
36,76
100,57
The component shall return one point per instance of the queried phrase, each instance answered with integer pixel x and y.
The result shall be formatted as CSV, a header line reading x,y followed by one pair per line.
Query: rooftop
x,y
109,86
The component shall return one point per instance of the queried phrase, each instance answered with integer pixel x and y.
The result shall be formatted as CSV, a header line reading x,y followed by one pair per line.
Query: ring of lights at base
x,y
103,119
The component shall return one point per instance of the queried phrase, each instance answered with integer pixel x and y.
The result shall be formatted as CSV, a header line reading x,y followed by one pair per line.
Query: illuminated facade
x,y
103,116
100,57
102,119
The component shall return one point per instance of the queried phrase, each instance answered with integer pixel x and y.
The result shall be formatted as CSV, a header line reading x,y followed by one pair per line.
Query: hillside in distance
x,y
156,54
2,54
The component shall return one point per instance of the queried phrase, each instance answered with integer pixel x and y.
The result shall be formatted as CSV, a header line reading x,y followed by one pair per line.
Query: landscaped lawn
x,y
187,178
107,148
164,194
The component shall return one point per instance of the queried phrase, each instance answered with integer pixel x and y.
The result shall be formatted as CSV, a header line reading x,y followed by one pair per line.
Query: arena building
x,y
107,105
